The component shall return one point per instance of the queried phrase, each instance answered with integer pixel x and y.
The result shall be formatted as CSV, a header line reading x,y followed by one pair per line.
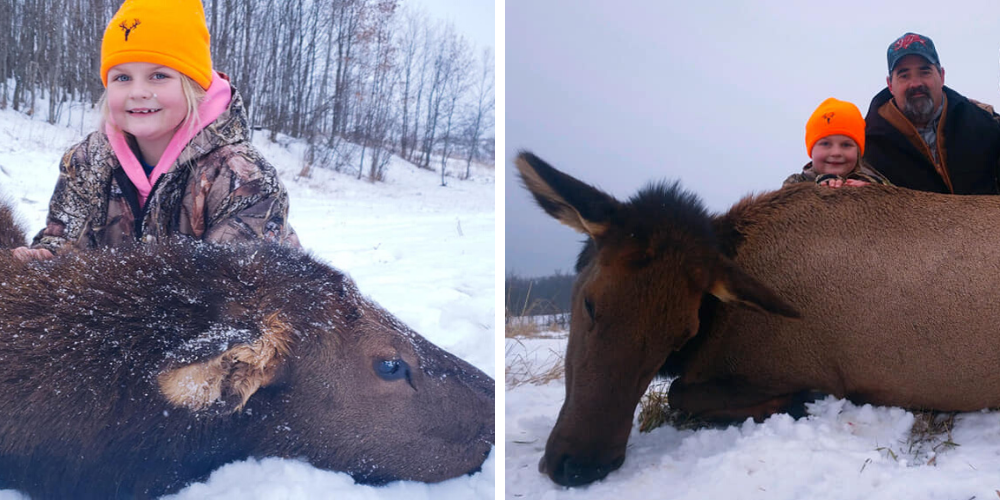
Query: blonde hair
x,y
193,95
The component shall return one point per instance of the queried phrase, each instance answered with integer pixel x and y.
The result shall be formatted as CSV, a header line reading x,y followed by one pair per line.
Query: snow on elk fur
x,y
129,373
878,294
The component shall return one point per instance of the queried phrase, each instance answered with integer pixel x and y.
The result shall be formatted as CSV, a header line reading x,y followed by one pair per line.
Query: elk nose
x,y
569,472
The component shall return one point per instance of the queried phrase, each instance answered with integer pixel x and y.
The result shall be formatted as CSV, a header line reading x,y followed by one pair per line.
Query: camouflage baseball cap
x,y
912,43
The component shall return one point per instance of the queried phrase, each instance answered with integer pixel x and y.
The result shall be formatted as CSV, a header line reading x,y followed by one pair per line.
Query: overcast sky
x,y
472,18
715,94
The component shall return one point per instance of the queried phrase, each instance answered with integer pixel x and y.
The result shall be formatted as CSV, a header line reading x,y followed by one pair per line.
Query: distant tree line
x,y
371,73
538,296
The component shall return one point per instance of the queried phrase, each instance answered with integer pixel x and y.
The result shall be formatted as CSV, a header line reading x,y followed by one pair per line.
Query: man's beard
x,y
919,109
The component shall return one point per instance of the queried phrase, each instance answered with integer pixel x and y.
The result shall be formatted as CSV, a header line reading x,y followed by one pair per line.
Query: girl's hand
x,y
856,182
25,254
833,183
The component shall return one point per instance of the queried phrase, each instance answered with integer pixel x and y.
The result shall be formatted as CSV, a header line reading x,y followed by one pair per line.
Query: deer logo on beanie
x,y
173,34
128,29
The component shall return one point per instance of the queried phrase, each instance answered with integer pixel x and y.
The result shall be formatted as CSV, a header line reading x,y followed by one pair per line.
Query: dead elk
x,y
877,294
129,373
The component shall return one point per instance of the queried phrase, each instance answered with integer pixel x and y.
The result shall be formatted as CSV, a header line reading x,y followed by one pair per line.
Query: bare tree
x,y
377,44
482,109
410,42
435,77
347,19
455,79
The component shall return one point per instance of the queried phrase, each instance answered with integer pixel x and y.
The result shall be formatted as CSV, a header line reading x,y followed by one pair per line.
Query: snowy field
x,y
422,251
840,451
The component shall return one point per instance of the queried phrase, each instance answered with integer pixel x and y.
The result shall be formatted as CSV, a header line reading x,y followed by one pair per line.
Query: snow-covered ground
x,y
840,451
422,251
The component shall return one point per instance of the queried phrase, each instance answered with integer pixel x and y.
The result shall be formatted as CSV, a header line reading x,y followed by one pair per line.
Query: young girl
x,y
173,153
835,140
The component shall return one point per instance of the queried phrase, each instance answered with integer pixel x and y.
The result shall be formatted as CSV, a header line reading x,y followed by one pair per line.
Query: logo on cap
x,y
128,29
906,41
911,43
828,116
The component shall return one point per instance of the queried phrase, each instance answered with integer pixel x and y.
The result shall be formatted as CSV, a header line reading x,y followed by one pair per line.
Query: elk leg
x,y
732,400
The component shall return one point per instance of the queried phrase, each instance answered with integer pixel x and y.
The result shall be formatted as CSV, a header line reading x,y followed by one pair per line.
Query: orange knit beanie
x,y
835,117
168,32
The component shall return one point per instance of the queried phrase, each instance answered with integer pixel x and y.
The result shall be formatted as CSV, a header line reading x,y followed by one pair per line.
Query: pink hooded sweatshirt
x,y
216,102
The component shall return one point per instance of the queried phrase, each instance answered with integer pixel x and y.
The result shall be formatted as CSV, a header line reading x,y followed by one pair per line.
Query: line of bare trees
x,y
359,80
543,295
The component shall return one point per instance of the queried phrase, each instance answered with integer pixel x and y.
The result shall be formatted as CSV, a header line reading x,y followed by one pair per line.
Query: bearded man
x,y
922,135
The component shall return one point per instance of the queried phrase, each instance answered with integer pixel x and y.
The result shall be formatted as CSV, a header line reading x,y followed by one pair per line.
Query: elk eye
x,y
587,304
390,369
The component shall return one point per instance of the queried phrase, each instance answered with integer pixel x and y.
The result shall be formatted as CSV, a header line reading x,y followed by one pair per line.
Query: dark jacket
x,y
968,142
220,189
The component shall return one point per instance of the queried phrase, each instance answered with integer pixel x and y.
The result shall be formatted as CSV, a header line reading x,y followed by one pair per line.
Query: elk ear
x,y
230,378
572,202
734,285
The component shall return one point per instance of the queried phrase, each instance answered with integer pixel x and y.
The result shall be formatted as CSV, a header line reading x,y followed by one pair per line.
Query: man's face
x,y
917,85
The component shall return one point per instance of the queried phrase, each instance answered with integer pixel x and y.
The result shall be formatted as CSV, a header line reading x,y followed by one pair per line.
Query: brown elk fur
x,y
878,294
11,231
128,373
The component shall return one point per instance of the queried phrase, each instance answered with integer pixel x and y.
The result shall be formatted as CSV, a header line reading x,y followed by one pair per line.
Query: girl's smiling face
x,y
835,154
147,101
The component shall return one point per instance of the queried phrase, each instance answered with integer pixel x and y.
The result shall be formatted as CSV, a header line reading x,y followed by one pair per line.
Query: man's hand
x,y
25,254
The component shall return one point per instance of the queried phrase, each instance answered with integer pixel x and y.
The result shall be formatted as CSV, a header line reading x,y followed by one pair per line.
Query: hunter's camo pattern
x,y
220,189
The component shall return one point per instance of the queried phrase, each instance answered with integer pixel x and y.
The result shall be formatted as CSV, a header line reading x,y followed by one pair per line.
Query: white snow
x,y
422,251
840,451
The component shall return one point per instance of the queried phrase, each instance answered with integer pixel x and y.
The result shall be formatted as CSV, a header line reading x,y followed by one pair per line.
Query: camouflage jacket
x,y
863,172
220,189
